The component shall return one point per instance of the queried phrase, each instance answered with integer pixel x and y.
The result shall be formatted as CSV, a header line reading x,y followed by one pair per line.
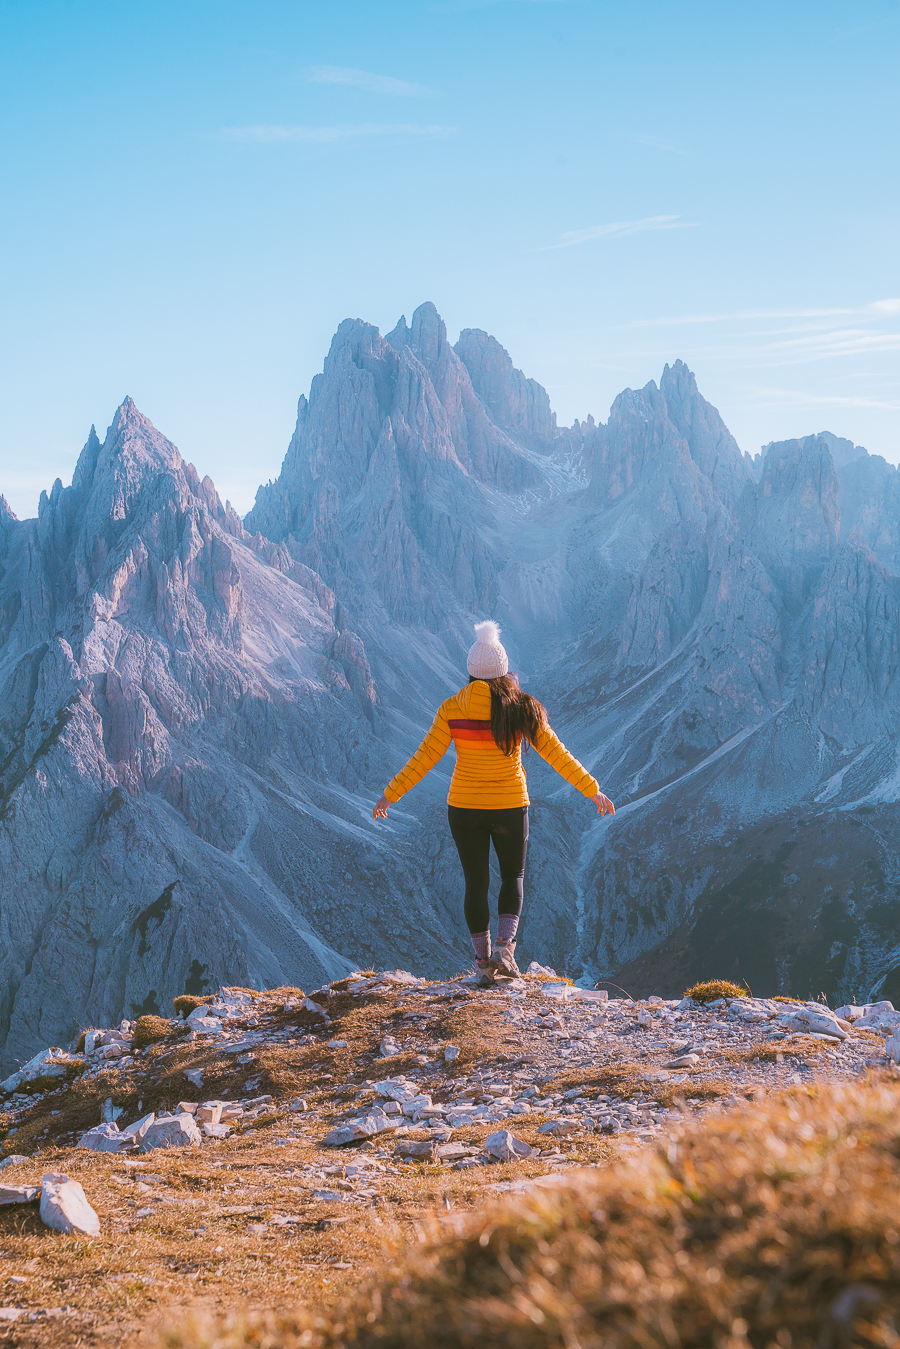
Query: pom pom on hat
x,y
487,658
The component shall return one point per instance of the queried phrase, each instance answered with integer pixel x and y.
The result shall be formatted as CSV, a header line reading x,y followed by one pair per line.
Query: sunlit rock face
x,y
196,713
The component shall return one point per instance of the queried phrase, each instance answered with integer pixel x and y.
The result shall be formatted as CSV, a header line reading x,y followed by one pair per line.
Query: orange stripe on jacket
x,y
484,777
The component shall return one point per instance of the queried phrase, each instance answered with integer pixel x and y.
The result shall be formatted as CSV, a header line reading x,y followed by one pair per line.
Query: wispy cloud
x,y
878,308
364,79
797,398
618,229
328,135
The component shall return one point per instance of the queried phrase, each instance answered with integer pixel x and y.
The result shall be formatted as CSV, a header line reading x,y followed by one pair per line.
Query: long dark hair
x,y
515,715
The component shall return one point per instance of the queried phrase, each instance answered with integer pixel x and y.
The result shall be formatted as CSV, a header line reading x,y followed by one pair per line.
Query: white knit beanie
x,y
487,659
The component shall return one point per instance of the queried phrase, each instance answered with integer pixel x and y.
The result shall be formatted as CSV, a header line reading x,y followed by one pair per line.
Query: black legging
x,y
473,832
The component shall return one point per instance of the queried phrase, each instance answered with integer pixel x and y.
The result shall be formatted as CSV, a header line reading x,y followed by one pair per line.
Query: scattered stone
x,y
137,1130
506,1147
388,1049
684,1061
18,1194
64,1206
451,1053
423,1151
535,968
892,1046
13,1159
186,1108
309,1006
337,1044
104,1138
110,1113
178,1131
351,1132
194,1076
209,1114
560,1128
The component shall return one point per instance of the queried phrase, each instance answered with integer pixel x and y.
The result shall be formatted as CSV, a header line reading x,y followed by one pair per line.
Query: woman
x,y
488,720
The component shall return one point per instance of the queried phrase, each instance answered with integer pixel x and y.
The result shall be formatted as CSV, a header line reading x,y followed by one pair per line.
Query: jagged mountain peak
x,y
518,404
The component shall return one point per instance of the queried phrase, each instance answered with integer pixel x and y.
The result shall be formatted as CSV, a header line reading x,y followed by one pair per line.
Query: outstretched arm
x,y
431,751
550,747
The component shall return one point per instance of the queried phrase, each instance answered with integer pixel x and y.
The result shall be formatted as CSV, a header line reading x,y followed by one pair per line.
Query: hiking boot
x,y
484,974
503,961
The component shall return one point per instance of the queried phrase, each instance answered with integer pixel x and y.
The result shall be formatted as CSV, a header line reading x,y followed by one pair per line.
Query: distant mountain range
x,y
197,712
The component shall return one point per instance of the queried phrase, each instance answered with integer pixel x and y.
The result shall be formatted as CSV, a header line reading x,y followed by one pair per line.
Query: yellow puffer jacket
x,y
484,777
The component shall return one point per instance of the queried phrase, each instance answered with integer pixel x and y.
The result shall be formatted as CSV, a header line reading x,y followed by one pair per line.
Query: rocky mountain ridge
x,y
196,712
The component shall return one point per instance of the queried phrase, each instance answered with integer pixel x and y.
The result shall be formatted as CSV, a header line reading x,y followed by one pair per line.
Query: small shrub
x,y
149,1029
188,1003
712,989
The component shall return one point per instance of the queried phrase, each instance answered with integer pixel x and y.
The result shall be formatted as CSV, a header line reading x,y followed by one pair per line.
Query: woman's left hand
x,y
381,809
604,805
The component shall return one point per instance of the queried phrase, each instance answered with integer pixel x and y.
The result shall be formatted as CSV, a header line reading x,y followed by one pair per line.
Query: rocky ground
x,y
265,1149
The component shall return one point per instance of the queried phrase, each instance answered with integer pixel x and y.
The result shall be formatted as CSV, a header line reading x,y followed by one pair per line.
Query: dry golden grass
x,y
188,1002
774,1225
625,1080
712,989
148,1030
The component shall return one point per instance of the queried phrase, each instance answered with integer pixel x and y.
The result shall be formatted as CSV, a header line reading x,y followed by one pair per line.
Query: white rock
x,y
506,1147
535,968
18,1194
451,1053
51,1062
878,1016
178,1131
13,1159
892,1046
399,977
194,1076
104,1138
560,1128
683,1061
309,1006
337,1044
388,1048
91,1040
64,1206
395,1089
137,1130
110,1113
351,1132
822,1020
215,1130
198,1014
561,992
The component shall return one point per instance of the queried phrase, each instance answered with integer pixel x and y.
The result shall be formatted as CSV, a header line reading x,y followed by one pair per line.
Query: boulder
x,y
505,1147
18,1194
137,1130
105,1138
178,1131
64,1206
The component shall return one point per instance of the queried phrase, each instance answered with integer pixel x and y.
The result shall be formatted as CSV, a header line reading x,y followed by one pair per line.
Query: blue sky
x,y
196,193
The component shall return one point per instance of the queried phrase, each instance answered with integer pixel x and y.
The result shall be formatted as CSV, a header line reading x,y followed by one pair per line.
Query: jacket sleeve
x,y
432,749
551,748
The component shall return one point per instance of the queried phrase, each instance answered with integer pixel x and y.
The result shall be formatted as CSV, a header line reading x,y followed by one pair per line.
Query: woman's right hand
x,y
604,805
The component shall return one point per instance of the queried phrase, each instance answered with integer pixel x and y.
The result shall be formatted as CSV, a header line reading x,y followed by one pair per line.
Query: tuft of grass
x,y
188,1002
149,1029
775,1224
712,989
